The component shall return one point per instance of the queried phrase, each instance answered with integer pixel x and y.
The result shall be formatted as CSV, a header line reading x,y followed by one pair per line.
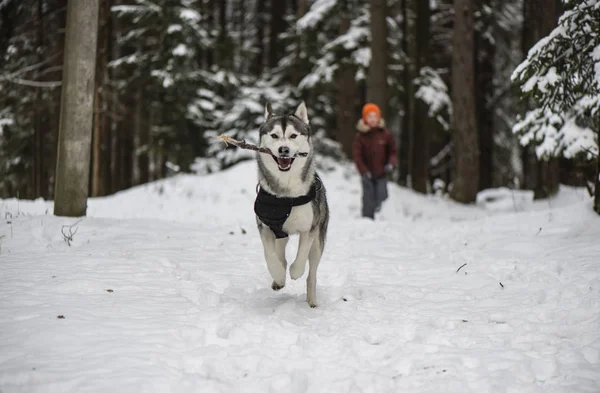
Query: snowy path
x,y
190,307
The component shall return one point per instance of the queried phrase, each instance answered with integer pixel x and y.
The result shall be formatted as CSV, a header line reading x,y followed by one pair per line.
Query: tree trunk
x,y
127,147
101,147
96,177
422,124
143,132
96,143
38,137
550,170
410,73
597,180
257,67
7,26
464,123
405,145
225,50
210,22
346,95
110,102
484,74
117,111
377,79
277,27
72,168
302,7
240,28
60,25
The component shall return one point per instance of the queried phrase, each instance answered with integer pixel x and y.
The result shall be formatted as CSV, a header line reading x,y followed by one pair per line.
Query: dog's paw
x,y
276,287
297,270
311,300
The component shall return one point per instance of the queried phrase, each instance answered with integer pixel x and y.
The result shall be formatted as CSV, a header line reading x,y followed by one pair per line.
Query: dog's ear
x,y
302,113
268,111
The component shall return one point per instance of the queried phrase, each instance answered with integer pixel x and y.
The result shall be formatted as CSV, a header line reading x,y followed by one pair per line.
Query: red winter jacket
x,y
373,149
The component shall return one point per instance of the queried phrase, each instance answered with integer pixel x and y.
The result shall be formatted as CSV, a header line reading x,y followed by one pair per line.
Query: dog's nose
x,y
284,151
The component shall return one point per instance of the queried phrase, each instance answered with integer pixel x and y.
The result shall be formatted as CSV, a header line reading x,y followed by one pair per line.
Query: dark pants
x,y
374,193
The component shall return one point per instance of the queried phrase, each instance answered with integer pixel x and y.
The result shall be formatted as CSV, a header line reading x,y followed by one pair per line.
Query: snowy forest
x,y
478,93
452,247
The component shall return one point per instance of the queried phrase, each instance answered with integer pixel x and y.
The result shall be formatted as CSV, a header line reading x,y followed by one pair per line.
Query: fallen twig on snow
x,y
457,270
68,237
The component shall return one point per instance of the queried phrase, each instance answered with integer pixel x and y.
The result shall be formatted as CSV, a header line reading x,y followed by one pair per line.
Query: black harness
x,y
274,211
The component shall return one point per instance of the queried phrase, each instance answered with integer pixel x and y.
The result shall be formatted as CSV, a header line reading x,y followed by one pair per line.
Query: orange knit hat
x,y
368,108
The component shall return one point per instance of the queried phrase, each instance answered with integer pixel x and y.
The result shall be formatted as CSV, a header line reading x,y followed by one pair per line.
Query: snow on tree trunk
x,y
464,124
377,85
73,161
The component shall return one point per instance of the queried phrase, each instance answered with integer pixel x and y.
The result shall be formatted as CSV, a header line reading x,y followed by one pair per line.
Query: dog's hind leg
x,y
274,250
314,257
304,245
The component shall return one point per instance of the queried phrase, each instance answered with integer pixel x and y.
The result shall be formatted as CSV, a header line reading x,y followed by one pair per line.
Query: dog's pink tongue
x,y
284,162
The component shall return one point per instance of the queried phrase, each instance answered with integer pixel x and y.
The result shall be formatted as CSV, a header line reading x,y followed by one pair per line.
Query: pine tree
x,y
502,26
562,76
172,77
30,47
540,175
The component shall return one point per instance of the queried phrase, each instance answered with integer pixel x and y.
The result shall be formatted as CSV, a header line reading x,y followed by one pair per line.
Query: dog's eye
x,y
274,136
293,136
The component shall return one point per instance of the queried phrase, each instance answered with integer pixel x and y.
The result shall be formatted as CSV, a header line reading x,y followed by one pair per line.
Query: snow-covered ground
x,y
163,288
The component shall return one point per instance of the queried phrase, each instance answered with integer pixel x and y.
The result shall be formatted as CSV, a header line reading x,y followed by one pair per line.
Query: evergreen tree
x,y
562,76
31,42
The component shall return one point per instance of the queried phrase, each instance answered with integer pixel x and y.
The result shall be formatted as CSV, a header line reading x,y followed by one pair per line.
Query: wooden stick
x,y
243,144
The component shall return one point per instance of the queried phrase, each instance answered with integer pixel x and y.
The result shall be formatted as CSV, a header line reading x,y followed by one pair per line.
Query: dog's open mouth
x,y
284,163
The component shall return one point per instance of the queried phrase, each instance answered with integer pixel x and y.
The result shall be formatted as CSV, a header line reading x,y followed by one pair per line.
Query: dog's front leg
x,y
304,244
274,250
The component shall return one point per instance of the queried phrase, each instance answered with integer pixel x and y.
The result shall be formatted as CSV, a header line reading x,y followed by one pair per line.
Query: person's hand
x,y
388,168
368,175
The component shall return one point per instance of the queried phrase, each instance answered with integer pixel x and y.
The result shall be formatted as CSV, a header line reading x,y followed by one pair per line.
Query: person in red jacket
x,y
375,155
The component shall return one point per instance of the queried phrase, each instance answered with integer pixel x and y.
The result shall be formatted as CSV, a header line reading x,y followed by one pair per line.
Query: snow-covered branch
x,y
562,75
433,91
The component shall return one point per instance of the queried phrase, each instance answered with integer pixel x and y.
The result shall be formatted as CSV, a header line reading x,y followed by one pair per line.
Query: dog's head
x,y
286,136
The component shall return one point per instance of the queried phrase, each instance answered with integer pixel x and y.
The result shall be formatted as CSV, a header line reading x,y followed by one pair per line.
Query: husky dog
x,y
291,198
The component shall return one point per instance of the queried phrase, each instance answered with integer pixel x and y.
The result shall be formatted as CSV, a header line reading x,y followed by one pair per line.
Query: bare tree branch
x,y
72,230
25,82
586,149
13,77
33,66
